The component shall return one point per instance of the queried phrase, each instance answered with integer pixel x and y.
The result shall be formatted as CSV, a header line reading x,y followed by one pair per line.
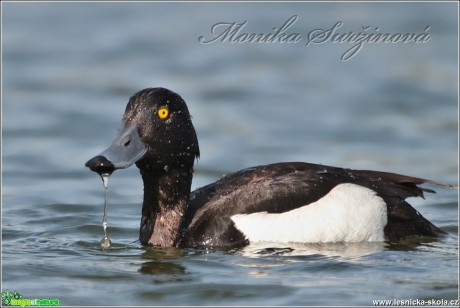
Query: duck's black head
x,y
157,134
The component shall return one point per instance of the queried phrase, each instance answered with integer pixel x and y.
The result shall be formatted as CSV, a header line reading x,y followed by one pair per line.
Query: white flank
x,y
348,213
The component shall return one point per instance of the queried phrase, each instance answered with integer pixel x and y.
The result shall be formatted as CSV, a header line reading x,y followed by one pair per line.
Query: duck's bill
x,y
126,149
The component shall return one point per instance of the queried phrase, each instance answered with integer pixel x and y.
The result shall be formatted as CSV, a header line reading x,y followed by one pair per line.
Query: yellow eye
x,y
163,112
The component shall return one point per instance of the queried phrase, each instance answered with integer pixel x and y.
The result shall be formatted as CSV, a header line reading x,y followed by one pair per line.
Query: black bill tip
x,y
101,165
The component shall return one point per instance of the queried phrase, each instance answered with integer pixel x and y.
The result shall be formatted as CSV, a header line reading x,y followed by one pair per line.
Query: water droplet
x,y
105,179
105,242
166,168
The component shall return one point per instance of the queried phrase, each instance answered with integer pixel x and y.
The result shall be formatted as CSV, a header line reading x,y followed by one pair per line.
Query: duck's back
x,y
266,201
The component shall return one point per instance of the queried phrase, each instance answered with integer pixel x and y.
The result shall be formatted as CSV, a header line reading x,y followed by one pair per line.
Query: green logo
x,y
16,299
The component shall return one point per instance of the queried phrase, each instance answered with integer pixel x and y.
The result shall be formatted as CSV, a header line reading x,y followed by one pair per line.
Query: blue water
x,y
69,68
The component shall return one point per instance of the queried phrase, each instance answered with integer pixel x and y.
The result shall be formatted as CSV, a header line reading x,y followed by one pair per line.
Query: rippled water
x,y
68,70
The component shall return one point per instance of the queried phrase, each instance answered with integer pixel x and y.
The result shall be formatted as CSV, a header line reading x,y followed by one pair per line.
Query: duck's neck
x,y
165,203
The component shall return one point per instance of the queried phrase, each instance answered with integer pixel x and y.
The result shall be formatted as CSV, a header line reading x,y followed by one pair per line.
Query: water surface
x,y
68,70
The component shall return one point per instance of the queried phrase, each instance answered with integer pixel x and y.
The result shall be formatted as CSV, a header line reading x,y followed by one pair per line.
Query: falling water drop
x,y
105,242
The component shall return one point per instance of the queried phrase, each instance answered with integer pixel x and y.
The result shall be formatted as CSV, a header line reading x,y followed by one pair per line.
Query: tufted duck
x,y
282,202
